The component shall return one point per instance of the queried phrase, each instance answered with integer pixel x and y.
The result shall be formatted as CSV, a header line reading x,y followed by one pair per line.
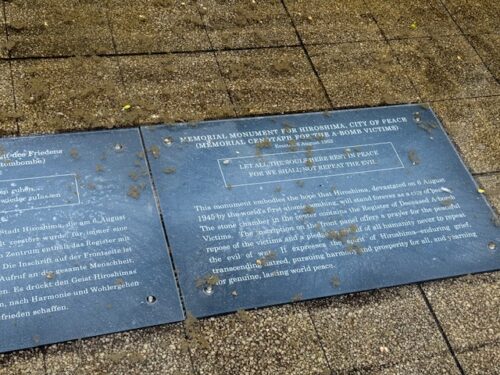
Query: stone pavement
x,y
74,64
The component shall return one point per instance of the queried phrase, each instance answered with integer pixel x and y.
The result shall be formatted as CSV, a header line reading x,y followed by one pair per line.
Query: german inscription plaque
x,y
82,250
269,210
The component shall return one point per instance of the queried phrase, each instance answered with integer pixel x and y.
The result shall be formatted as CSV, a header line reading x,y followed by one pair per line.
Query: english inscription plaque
x,y
82,250
269,210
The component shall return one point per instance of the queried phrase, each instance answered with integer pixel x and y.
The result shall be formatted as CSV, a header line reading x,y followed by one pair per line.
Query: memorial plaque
x,y
268,210
82,249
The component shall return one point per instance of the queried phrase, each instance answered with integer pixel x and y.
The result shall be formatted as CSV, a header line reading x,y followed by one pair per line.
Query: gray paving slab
x,y
64,358
475,17
57,95
4,46
159,350
445,68
467,308
271,81
362,74
481,361
144,26
488,47
277,340
381,328
23,362
491,186
244,24
54,28
170,88
8,114
319,21
473,126
413,18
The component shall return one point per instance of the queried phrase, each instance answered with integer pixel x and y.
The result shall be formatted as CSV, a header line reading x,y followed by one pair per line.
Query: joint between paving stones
x,y
467,38
386,39
441,330
313,67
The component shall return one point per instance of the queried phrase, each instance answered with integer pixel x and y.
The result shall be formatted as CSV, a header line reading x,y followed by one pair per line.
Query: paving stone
x,y
181,87
271,80
473,126
445,68
488,47
378,328
21,363
482,361
4,46
8,115
477,16
53,28
359,74
413,18
63,358
68,94
491,185
159,350
238,24
444,365
467,308
157,26
277,340
320,21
